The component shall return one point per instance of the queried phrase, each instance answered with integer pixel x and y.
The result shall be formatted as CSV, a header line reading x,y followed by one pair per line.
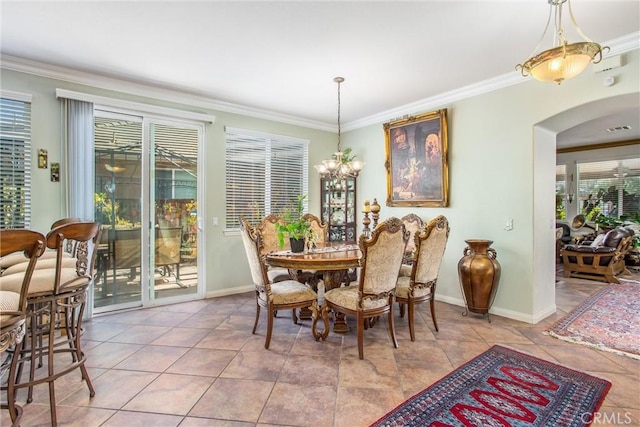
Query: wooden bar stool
x,y
27,245
55,308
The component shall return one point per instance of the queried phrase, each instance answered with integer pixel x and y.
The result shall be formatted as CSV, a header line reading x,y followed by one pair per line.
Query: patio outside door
x,y
146,198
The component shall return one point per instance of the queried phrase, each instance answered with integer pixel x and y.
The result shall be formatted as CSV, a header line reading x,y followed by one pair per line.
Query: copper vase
x,y
479,273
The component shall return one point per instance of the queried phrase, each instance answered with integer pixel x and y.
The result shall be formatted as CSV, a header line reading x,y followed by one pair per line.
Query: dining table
x,y
333,261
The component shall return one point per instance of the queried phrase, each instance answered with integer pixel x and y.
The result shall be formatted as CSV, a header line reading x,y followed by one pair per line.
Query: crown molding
x,y
617,46
157,92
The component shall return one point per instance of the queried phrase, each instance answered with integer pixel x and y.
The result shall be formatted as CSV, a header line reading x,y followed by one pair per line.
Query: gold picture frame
x,y
417,150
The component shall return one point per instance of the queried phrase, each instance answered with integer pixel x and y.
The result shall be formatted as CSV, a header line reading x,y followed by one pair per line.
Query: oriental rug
x,y
608,320
503,387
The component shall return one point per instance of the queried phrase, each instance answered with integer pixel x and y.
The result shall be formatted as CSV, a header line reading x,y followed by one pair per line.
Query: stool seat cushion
x,y
42,280
67,262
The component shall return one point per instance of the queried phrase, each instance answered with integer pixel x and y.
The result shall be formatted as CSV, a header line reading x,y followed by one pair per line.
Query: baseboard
x,y
230,291
498,311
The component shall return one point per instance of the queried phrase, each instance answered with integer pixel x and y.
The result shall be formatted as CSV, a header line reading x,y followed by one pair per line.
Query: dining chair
x,y
380,264
55,309
273,296
269,238
420,286
28,245
319,228
413,223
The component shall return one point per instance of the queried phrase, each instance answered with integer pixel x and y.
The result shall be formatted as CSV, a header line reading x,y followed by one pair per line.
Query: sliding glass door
x,y
146,198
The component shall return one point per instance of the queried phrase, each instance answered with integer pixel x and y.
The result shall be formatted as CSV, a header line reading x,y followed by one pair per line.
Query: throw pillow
x,y
597,241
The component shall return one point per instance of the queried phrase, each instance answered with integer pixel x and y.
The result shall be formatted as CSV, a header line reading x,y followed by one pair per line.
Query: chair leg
x,y
15,411
360,322
392,329
270,317
433,313
255,324
412,331
294,317
401,305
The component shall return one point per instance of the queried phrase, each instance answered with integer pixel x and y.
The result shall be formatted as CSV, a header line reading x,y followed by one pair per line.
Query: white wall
x,y
502,166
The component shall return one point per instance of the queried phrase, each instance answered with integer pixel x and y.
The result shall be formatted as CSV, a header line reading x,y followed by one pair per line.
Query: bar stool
x,y
55,308
30,245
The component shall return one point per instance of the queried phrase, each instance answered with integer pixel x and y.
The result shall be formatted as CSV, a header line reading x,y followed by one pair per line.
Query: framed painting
x,y
417,160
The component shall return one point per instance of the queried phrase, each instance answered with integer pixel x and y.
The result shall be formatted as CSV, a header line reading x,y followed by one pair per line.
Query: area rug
x,y
503,387
608,320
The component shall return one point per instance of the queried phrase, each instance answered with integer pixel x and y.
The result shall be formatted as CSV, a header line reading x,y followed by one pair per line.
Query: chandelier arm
x,y
546,27
575,24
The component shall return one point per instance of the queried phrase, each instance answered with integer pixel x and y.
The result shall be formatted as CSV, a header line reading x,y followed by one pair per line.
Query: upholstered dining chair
x,y
373,296
413,223
319,228
55,308
273,296
269,238
28,245
420,286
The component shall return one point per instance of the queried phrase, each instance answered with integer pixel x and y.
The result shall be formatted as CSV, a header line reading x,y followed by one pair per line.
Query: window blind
x,y
264,175
611,188
15,163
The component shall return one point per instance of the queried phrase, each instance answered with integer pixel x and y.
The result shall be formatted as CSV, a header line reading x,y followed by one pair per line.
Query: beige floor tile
x,y
152,358
202,361
234,399
255,365
300,404
170,394
142,419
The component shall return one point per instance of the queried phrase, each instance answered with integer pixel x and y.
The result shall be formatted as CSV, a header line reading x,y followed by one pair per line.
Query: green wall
x,y
499,169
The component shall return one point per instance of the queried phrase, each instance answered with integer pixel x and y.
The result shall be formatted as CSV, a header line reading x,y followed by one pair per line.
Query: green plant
x,y
294,226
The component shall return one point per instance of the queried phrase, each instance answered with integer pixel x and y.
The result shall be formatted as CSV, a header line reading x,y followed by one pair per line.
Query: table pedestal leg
x,y
317,313
340,323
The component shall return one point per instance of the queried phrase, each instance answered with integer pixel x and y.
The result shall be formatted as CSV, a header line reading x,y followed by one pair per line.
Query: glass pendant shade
x,y
563,61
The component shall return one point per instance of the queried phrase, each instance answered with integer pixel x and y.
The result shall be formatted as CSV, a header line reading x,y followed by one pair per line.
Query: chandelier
x,y
339,166
564,60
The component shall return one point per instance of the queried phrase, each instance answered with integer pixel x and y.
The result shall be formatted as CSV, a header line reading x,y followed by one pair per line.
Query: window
x,y
264,174
15,161
561,194
610,188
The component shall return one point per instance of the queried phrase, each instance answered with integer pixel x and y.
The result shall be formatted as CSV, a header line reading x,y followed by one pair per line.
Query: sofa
x,y
602,259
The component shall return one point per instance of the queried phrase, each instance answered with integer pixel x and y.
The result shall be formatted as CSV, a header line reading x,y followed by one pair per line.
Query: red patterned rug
x,y
503,387
608,320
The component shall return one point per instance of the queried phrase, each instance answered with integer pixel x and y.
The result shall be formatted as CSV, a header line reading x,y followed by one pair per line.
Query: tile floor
x,y
197,364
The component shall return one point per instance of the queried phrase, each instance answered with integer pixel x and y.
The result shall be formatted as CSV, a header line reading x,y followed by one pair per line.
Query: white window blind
x,y
264,174
611,188
15,163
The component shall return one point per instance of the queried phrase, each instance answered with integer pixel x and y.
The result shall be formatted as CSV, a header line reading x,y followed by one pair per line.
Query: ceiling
x,y
281,57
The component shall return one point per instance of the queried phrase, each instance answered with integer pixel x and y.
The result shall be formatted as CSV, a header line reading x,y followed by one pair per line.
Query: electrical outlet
x,y
215,221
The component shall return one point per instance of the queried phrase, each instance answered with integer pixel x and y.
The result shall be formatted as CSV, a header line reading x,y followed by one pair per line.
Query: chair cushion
x,y
597,241
42,280
289,291
347,297
403,286
9,301
67,262
613,237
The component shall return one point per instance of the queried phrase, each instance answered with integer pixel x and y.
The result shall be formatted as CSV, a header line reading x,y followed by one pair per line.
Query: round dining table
x,y
333,261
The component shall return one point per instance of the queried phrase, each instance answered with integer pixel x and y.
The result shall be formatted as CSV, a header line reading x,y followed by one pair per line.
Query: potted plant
x,y
294,227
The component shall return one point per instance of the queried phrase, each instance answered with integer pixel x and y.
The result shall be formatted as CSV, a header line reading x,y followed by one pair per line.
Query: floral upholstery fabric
x,y
405,270
349,297
255,263
289,291
430,256
377,277
404,285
